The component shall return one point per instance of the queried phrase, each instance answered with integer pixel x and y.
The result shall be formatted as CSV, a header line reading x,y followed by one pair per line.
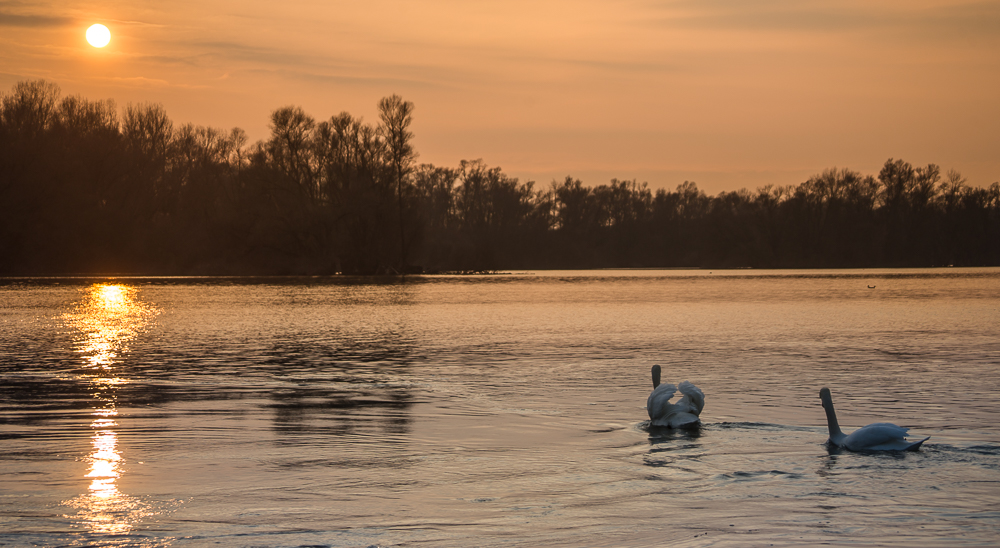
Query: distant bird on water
x,y
674,415
871,287
879,436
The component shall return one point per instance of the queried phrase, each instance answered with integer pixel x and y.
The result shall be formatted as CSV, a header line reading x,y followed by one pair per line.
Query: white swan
x,y
879,436
673,415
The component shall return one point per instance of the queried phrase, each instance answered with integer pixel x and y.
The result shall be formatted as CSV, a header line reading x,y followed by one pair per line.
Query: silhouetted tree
x,y
396,115
436,216
84,189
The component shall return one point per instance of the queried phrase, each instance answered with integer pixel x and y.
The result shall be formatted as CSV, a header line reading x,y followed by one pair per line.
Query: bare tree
x,y
396,115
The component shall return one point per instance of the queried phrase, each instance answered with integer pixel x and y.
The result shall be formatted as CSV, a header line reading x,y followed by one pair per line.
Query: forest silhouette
x,y
88,190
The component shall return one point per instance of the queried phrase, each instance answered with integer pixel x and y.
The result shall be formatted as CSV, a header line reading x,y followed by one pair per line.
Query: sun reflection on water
x,y
108,319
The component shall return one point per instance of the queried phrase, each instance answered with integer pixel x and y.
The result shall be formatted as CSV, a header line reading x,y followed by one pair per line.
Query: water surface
x,y
496,410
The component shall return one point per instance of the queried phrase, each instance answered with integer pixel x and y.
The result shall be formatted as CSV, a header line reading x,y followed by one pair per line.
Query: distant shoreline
x,y
88,189
861,273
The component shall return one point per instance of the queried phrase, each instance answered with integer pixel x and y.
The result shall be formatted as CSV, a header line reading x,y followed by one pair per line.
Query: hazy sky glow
x,y
726,93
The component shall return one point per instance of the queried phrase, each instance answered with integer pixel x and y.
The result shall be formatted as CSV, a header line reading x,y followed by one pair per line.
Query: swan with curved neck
x,y
684,412
879,436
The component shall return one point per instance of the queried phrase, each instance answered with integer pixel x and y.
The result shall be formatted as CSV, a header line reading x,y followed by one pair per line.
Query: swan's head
x,y
824,394
656,376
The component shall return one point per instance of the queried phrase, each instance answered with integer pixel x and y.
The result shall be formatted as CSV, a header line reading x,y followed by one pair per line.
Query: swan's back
x,y
683,412
880,436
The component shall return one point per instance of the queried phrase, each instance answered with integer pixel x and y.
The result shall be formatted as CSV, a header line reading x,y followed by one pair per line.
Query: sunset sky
x,y
726,93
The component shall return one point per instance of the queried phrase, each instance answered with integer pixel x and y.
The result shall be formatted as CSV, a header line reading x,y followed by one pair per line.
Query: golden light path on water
x,y
107,320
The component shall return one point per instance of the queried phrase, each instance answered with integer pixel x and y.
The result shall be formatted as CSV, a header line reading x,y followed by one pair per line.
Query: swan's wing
x,y
658,404
880,436
693,398
900,445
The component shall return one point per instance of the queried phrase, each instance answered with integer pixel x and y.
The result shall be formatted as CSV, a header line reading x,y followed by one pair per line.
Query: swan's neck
x,y
656,376
831,416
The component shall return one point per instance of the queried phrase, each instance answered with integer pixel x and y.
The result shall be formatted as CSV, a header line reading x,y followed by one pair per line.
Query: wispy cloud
x,y
143,82
8,19
804,16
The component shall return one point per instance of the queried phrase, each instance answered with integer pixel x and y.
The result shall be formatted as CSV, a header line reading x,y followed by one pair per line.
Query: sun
x,y
98,35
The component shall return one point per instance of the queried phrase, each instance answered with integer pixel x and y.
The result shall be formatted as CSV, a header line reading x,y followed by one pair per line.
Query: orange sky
x,y
727,93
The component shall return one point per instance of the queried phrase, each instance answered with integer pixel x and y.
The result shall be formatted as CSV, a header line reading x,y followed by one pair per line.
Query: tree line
x,y
86,188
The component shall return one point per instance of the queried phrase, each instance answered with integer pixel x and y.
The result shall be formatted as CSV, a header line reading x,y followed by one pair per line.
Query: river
x,y
497,410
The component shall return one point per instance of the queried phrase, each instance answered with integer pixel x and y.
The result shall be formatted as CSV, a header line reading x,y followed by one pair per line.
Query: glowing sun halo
x,y
98,35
